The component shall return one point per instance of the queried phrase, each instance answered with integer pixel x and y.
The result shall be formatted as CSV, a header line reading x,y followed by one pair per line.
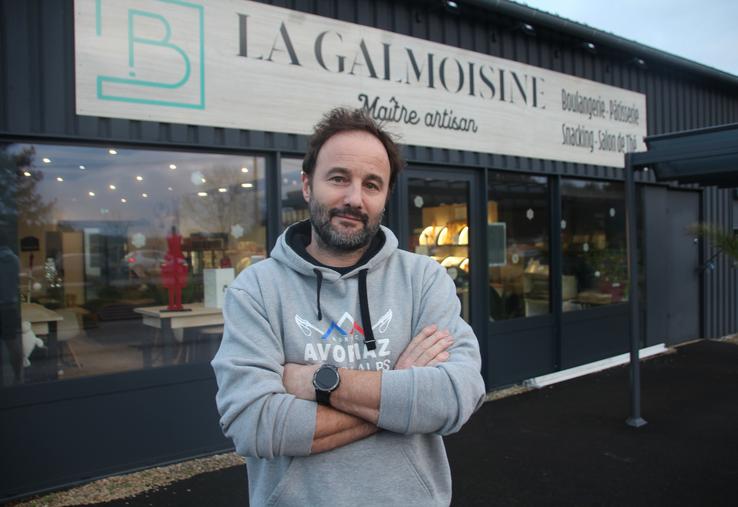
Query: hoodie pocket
x,y
379,470
422,481
281,485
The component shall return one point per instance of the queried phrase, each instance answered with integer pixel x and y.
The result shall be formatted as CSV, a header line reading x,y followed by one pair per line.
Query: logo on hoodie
x,y
342,341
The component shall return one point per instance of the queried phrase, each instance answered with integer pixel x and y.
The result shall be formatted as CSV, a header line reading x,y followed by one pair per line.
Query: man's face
x,y
348,190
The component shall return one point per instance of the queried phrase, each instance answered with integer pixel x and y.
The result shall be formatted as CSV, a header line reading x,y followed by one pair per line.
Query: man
x,y
344,359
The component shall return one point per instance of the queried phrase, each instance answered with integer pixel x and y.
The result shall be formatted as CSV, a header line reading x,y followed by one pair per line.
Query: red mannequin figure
x,y
174,271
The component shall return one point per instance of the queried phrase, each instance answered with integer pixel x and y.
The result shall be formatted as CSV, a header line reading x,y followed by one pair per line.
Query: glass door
x,y
438,224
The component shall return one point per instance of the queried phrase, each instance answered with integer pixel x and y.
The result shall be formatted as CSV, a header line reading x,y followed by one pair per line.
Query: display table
x,y
157,317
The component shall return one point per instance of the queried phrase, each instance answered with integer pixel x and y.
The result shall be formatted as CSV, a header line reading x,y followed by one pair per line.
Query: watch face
x,y
326,379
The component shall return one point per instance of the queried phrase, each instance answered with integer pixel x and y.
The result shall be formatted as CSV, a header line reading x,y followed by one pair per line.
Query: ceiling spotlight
x,y
26,173
112,151
139,178
450,5
59,178
82,167
222,189
91,194
526,28
112,187
638,62
144,195
202,194
170,189
123,200
589,47
46,160
203,180
172,167
244,169
247,185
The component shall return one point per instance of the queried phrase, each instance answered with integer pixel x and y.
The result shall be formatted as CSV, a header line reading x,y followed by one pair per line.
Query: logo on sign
x,y
158,55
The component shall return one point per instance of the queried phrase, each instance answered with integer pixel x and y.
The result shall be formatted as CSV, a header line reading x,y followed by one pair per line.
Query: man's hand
x,y
298,380
428,348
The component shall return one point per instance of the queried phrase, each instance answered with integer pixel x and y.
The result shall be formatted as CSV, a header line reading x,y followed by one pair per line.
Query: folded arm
x,y
257,413
354,410
437,399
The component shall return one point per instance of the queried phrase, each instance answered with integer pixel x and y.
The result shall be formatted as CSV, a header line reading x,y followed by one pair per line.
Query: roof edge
x,y
596,36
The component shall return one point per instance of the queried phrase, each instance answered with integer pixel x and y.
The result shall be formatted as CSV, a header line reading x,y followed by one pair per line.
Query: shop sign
x,y
246,65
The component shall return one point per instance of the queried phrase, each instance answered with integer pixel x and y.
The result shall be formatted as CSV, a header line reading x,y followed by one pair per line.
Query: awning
x,y
705,157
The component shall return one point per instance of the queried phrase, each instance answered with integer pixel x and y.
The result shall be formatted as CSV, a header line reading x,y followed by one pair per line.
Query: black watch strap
x,y
323,397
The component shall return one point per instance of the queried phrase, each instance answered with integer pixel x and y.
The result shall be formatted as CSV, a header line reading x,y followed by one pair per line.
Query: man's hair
x,y
342,119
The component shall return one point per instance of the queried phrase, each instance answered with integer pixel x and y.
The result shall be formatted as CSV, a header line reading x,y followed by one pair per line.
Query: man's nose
x,y
353,196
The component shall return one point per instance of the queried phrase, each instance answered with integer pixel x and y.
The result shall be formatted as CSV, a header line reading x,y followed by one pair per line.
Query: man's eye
x,y
372,186
337,179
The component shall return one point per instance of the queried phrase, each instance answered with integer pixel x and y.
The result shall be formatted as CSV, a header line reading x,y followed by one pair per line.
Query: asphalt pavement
x,y
568,444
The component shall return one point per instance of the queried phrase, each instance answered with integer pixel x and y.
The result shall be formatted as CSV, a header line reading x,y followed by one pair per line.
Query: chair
x,y
68,330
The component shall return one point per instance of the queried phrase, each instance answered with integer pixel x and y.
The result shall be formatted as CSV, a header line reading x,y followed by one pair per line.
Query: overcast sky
x,y
705,31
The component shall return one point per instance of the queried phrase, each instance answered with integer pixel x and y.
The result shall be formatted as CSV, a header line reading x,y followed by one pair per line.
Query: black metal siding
x,y
721,284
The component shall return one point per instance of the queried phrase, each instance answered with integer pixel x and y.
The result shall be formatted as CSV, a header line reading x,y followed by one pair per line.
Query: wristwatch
x,y
325,380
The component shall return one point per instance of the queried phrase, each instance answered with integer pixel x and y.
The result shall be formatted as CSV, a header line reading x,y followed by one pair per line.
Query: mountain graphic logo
x,y
344,327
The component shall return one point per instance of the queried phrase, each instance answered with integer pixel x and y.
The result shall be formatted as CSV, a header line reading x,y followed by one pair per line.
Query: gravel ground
x,y
124,486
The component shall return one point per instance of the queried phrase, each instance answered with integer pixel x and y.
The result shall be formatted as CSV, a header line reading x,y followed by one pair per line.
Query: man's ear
x,y
306,187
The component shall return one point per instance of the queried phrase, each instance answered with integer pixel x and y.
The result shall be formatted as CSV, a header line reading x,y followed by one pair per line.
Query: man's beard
x,y
348,241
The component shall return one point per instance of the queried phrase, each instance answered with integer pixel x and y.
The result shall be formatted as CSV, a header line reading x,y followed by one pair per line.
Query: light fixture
x,y
26,173
139,178
638,62
46,160
91,194
123,200
202,194
112,151
222,189
144,195
203,180
82,167
172,167
247,185
589,47
450,5
112,187
170,189
244,169
526,28
59,178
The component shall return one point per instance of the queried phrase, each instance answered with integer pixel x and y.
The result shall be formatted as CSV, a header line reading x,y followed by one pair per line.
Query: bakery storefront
x,y
145,130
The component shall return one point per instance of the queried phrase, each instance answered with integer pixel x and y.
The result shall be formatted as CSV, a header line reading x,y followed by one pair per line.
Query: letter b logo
x,y
154,52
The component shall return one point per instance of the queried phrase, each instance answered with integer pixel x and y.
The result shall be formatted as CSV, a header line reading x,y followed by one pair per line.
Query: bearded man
x,y
344,359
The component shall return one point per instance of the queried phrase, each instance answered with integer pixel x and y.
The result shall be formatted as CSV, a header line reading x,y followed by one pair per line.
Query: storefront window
x,y
518,246
96,235
439,227
594,257
294,207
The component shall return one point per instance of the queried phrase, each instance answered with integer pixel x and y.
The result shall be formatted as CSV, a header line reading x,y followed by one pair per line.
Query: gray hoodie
x,y
286,309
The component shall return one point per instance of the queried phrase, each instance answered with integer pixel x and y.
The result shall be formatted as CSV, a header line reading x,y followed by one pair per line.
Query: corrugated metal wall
x,y
37,95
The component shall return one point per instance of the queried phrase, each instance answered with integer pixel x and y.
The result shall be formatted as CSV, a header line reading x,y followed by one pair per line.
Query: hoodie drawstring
x,y
319,276
366,320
